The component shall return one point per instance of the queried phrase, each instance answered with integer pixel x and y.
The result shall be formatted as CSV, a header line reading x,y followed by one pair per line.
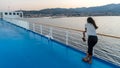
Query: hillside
x,y
106,10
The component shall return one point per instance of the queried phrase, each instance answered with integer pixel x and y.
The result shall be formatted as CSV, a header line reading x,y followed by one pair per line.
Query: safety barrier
x,y
107,48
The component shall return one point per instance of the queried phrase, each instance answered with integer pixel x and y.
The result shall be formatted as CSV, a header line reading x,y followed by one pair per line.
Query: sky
x,y
43,4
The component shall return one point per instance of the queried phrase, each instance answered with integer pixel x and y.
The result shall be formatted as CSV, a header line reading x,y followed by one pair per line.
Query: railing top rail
x,y
79,30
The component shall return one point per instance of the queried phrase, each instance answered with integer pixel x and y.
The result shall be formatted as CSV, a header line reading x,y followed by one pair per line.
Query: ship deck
x,y
20,48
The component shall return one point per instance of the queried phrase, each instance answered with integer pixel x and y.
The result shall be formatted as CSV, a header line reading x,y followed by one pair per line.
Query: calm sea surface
x,y
107,24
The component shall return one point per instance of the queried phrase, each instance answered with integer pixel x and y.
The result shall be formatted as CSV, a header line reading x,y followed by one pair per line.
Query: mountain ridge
x,y
105,10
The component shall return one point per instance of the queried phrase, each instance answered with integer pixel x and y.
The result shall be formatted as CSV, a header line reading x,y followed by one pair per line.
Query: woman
x,y
90,29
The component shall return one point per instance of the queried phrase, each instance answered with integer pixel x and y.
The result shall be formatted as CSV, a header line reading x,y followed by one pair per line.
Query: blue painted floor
x,y
20,48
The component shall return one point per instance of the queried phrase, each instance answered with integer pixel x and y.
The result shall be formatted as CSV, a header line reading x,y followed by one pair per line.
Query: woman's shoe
x,y
85,59
88,60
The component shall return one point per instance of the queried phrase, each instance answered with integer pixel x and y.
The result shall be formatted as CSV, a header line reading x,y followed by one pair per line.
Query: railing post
x,y
51,32
41,29
67,37
33,27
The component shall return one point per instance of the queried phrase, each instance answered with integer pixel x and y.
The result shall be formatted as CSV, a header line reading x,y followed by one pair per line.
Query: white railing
x,y
20,23
107,48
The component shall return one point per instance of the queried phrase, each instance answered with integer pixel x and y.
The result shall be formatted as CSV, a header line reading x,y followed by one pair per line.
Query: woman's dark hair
x,y
90,20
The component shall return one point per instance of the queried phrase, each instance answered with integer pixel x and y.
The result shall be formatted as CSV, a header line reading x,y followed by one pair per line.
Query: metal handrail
x,y
107,35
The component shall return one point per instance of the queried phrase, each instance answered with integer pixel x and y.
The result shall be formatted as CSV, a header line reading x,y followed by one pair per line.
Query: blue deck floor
x,y
20,48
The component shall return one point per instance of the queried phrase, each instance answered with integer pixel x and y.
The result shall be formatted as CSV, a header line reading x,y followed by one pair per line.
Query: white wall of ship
x,y
11,14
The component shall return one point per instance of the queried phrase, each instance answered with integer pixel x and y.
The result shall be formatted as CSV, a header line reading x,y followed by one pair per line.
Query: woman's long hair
x,y
90,20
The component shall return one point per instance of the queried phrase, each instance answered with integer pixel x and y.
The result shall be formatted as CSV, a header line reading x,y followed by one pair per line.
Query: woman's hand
x,y
84,39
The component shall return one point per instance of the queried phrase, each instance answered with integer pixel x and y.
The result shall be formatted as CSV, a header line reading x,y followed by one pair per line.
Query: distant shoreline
x,y
105,10
52,17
